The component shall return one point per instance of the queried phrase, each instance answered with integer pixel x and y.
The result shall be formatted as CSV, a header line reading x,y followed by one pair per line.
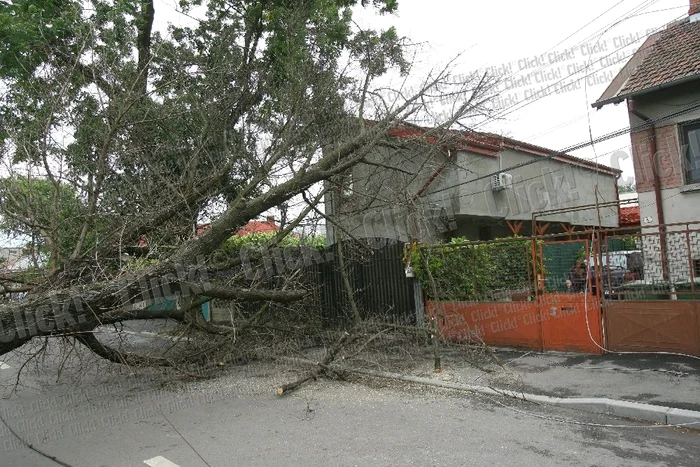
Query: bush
x,y
259,240
474,270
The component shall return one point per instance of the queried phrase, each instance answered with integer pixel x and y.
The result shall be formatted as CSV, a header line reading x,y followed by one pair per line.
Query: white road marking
x,y
160,461
4,366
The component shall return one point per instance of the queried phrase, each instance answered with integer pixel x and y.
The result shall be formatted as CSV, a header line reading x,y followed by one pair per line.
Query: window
x,y
690,148
345,191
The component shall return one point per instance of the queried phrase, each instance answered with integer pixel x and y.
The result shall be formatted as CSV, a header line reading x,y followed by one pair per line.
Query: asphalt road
x,y
111,417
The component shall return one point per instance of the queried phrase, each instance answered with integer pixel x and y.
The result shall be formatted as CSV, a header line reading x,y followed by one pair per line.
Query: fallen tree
x,y
111,151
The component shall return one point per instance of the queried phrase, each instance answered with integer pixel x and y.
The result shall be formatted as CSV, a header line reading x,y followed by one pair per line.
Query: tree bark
x,y
321,366
143,43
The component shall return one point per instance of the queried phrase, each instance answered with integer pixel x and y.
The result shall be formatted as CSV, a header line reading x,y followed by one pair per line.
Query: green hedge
x,y
235,243
473,270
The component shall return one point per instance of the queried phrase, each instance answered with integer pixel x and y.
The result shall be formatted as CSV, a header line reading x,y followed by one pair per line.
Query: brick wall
x,y
667,159
694,7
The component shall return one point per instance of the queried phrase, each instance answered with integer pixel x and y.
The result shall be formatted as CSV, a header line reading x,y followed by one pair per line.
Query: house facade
x,y
432,186
660,85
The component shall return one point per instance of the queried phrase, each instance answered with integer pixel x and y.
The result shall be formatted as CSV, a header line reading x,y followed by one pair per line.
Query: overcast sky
x,y
539,43
534,44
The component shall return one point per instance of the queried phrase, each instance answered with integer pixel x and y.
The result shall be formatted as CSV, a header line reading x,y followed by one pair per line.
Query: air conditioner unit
x,y
502,181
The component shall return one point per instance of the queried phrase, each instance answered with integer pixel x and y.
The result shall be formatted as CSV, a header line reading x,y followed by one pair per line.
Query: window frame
x,y
344,192
684,129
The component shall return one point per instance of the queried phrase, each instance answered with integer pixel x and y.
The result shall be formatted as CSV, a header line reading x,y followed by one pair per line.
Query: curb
x,y
633,410
601,405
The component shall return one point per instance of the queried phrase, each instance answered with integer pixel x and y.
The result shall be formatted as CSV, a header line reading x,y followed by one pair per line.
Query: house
x,y
661,87
430,185
252,227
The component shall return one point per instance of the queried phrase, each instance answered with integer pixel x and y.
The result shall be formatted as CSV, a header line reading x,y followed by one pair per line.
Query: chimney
x,y
271,219
694,7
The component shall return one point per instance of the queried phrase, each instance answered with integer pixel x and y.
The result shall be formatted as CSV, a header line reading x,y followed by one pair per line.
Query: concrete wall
x,y
470,228
382,208
678,206
540,186
382,205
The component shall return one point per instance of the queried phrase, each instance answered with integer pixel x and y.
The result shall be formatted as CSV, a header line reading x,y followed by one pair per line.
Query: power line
x,y
388,204
581,116
581,42
584,26
646,125
542,93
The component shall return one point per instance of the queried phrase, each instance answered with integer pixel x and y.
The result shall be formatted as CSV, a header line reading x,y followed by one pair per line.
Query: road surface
x,y
118,418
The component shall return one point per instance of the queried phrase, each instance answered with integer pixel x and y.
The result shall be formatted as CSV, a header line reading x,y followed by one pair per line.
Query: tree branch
x,y
114,355
232,293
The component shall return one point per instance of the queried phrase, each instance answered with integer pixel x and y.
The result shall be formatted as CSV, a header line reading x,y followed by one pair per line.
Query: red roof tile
x,y
629,215
252,227
258,227
667,57
674,56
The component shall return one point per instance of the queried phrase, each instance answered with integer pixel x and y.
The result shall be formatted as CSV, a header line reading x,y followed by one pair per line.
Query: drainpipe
x,y
656,184
450,157
435,175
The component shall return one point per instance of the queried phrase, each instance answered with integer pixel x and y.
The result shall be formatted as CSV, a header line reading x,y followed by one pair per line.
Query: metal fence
x,y
654,263
378,282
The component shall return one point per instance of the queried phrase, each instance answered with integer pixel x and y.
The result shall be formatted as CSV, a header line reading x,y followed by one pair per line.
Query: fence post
x,y
536,283
420,304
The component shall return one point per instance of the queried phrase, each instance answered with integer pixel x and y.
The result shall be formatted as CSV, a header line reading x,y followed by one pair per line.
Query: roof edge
x,y
659,87
611,93
560,156
490,144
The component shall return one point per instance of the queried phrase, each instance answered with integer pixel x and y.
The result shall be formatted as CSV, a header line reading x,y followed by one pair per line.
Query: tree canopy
x,y
112,131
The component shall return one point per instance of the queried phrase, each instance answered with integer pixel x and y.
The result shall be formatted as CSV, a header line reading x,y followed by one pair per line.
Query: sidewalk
x,y
656,388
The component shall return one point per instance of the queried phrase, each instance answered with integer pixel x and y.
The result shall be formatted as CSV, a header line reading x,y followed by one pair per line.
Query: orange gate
x,y
660,311
534,305
557,321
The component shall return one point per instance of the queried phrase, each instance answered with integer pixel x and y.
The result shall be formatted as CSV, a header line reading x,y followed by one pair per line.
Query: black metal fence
x,y
378,282
377,279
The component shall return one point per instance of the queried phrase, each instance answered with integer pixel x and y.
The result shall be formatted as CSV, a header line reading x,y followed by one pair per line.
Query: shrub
x,y
475,270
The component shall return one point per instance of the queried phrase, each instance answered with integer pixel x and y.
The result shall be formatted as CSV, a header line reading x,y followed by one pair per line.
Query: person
x,y
577,276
